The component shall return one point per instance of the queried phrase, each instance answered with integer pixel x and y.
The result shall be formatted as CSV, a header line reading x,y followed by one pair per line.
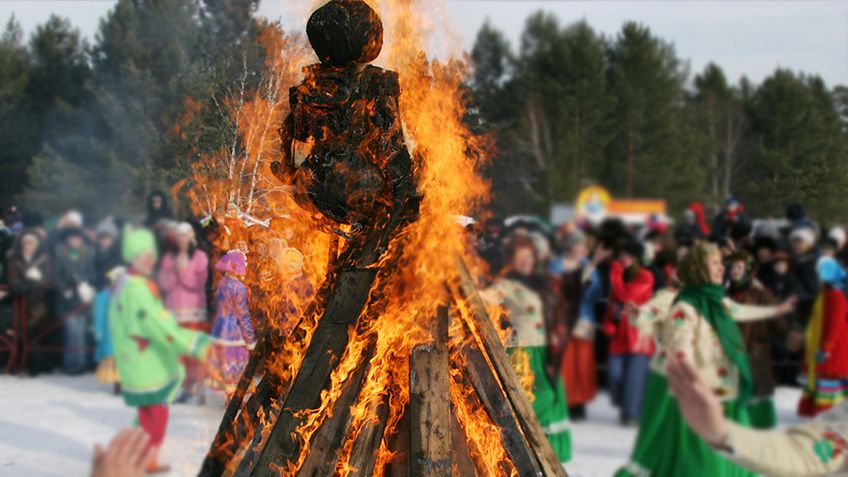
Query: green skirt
x,y
666,447
762,413
550,404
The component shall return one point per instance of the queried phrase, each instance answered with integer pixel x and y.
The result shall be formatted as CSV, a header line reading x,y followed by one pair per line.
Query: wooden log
x,y
363,455
429,404
328,439
398,444
234,431
499,366
226,440
357,272
461,462
500,410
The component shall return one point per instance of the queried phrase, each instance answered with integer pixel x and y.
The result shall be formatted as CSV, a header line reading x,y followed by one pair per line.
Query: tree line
x,y
570,108
101,125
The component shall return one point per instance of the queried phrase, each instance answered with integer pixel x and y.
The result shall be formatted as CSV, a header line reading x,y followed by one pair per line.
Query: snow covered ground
x,y
49,425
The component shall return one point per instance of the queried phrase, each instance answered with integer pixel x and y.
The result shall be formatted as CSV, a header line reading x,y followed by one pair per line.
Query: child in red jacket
x,y
631,285
826,355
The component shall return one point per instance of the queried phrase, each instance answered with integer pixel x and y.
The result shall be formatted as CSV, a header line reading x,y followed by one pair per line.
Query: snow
x,y
49,425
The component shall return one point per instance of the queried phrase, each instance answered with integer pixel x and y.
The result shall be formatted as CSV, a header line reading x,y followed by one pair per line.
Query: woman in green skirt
x,y
522,294
701,326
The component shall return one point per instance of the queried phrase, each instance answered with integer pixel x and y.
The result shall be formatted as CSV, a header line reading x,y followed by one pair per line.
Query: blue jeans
x,y
628,374
75,355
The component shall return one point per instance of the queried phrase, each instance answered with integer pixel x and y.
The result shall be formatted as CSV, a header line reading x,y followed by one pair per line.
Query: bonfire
x,y
393,366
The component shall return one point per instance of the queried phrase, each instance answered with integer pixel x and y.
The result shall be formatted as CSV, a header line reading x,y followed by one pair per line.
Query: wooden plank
x,y
500,410
461,463
488,341
328,439
328,345
398,444
262,398
357,271
429,404
227,438
363,456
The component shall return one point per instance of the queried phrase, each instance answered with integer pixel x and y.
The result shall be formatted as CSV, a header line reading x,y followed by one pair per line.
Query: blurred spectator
x,y
157,209
629,354
233,326
73,276
804,258
104,354
182,278
840,239
744,288
796,215
29,280
733,212
107,253
581,289
520,291
826,353
148,342
695,222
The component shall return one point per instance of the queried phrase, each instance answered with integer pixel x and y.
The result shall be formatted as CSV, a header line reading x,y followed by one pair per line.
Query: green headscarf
x,y
706,297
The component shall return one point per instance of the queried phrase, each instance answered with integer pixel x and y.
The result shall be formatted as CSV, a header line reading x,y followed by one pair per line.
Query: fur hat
x,y
107,227
838,235
803,234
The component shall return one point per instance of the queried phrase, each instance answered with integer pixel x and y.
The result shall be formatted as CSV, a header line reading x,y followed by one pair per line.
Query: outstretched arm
x,y
815,449
745,313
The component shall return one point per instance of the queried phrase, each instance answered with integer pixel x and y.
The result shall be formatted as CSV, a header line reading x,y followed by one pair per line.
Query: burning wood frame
x,y
344,152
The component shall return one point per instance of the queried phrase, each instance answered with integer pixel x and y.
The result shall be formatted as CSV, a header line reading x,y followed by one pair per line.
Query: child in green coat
x,y
148,342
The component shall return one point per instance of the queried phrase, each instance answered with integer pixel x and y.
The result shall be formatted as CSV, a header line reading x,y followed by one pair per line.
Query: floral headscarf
x,y
234,262
693,268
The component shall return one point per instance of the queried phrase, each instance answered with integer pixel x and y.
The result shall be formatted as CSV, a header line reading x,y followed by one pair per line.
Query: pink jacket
x,y
185,290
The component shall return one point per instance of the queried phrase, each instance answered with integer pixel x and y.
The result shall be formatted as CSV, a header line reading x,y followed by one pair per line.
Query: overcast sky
x,y
745,37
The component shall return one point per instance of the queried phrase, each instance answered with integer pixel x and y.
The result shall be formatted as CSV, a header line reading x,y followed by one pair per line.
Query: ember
x,y
395,368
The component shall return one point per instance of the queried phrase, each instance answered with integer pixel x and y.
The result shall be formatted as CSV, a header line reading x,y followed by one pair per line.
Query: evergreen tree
x,y
800,147
18,141
651,151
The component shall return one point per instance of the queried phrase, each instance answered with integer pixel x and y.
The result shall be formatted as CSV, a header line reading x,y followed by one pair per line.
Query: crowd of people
x,y
745,304
131,303
749,304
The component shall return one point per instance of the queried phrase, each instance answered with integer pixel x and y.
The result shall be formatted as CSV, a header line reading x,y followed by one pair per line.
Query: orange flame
x,y
258,213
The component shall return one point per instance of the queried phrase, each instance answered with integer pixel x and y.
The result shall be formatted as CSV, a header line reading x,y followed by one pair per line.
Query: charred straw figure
x,y
343,140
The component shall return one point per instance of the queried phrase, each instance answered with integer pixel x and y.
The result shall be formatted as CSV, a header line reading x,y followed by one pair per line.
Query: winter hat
x,y
235,262
803,234
838,235
796,213
137,242
574,237
635,249
767,229
72,218
107,228
830,272
541,243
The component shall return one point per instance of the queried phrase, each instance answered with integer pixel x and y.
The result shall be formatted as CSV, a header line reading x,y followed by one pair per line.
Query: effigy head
x,y
345,32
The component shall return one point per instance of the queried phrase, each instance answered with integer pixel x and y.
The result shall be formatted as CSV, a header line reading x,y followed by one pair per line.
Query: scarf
x,y
707,299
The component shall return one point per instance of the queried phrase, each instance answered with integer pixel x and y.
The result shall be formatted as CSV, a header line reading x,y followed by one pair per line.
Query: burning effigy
x,y
390,365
